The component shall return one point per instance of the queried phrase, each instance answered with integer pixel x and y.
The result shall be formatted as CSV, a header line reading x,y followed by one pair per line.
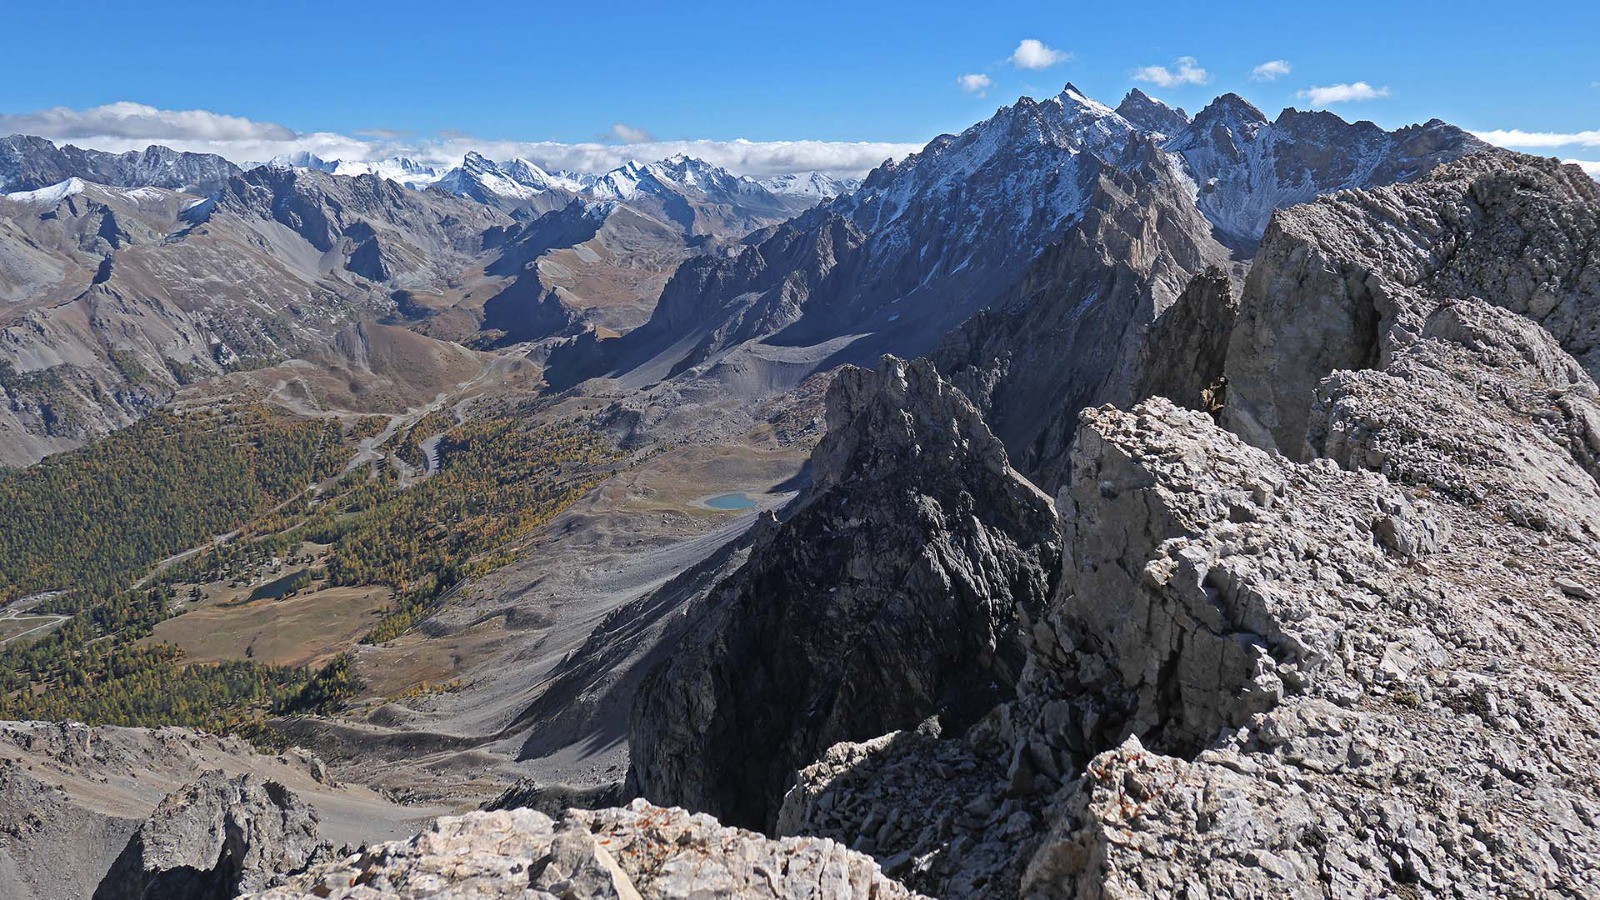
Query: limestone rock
x,y
1351,731
641,851
1345,281
1484,408
213,839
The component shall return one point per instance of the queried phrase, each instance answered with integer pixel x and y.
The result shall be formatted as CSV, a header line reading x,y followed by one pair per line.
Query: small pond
x,y
733,501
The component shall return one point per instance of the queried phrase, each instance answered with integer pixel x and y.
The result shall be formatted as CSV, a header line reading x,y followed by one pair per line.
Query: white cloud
x,y
1592,166
630,135
975,84
119,127
136,120
1185,70
1541,140
1033,54
1271,70
1342,93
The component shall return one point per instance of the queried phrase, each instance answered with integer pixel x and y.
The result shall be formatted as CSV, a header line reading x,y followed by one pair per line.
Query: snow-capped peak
x,y
809,184
530,173
48,196
302,159
399,169
676,174
1077,103
518,179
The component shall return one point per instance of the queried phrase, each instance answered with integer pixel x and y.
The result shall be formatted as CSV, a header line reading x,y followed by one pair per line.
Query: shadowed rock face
x,y
1340,283
215,839
893,592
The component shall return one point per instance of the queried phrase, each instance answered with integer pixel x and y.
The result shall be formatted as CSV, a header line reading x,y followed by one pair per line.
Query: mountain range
x,y
1101,501
262,265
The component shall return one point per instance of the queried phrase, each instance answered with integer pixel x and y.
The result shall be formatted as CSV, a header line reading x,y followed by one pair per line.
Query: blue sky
x,y
435,75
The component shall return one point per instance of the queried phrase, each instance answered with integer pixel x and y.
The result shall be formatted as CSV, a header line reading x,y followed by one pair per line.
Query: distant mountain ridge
x,y
522,181
30,163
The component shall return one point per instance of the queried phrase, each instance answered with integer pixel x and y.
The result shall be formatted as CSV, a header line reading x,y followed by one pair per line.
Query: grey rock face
x,y
636,852
1151,115
216,838
1340,283
29,163
1499,418
1396,712
50,847
936,813
892,592
1247,167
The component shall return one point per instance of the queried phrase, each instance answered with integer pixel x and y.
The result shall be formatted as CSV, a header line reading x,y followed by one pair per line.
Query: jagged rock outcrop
x,y
73,796
215,839
894,591
936,813
1265,678
1402,721
641,851
1482,407
1341,282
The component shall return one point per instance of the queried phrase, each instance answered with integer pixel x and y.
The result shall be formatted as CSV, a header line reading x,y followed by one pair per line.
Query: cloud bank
x,y
976,83
1271,70
1185,70
119,127
1033,54
1343,93
1540,140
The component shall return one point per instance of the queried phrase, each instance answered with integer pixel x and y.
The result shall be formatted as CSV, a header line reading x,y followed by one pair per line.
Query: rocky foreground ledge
x,y
619,854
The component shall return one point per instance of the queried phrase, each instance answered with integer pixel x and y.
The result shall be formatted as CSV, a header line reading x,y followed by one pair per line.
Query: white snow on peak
x,y
302,159
518,179
401,170
1024,160
676,174
1082,103
48,196
810,184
